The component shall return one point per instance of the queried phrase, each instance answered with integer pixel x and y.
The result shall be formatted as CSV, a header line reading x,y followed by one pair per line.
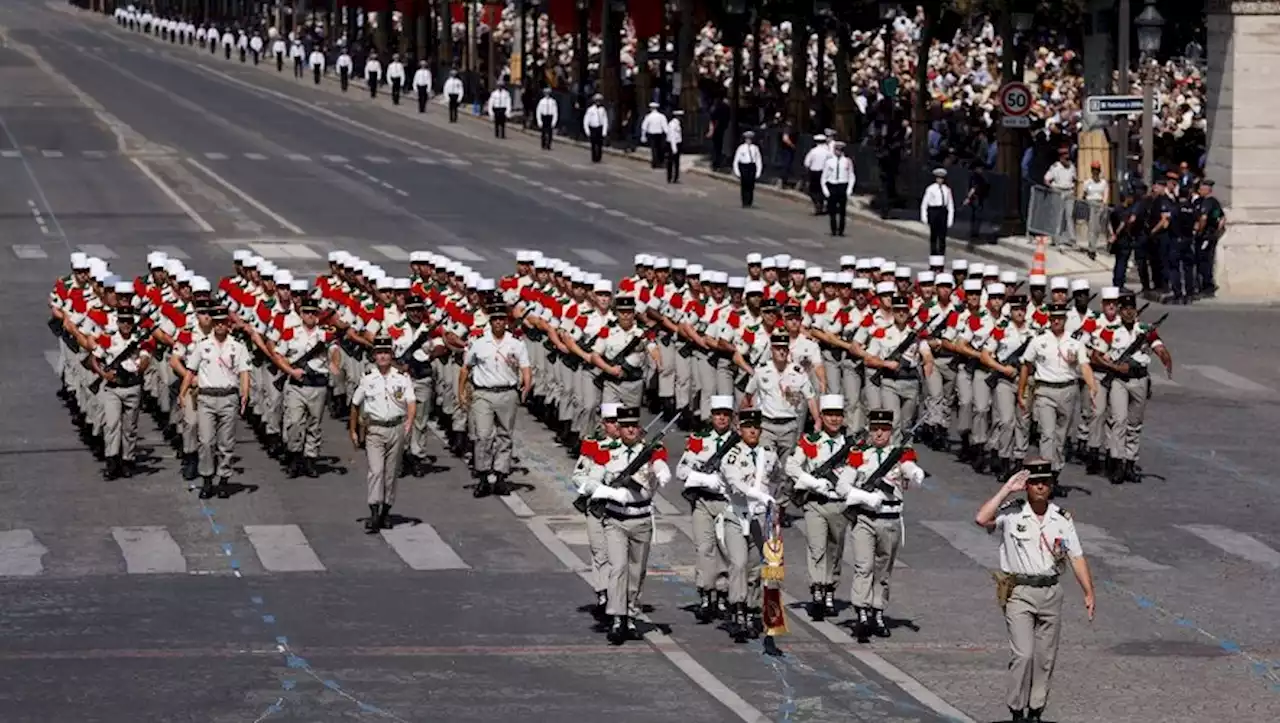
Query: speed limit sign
x,y
1015,99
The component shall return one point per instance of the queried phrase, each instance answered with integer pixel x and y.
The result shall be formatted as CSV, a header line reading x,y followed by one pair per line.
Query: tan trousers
x,y
586,412
712,558
216,419
494,415
1127,401
855,418
742,547
875,549
425,396
940,391
1093,420
383,447
189,424
1033,618
1011,426
981,421
628,543
120,407
825,527
303,410
627,394
1052,409
900,396
598,543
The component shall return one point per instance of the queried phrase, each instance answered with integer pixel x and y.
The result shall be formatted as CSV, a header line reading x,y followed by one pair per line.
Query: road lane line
x,y
380,160
21,554
335,159
422,548
725,240
29,251
172,252
1102,546
460,253
592,256
173,196
216,156
50,153
1236,543
255,156
98,250
283,548
763,241
1229,379
395,253
149,550
285,223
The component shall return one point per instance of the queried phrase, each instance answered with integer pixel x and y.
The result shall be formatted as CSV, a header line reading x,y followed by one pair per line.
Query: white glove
x,y
859,497
612,494
806,481
701,479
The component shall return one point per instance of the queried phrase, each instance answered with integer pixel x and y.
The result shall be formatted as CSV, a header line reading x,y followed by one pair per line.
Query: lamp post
x,y
1150,29
737,12
583,21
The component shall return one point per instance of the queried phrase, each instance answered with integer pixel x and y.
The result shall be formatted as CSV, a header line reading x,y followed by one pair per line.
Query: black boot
x,y
1093,461
1033,715
618,630
224,489
114,470
1115,471
1017,716
1131,473
741,626
980,460
966,449
862,627
371,524
384,514
295,465
482,485
817,607
878,625
705,609
501,487
309,467
602,602
722,605
1068,451
206,488
829,601
190,464
998,465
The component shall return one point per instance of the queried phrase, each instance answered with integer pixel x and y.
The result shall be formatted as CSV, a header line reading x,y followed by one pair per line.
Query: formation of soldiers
x,y
802,389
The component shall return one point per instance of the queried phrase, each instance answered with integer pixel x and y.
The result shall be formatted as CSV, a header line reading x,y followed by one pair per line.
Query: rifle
x,y
827,469
406,358
573,361
582,502
711,464
596,507
114,365
744,379
628,373
1014,356
302,361
901,349
875,480
1134,347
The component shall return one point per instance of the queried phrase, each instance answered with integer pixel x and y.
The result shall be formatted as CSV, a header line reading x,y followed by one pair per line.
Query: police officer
x,y
1180,264
1126,235
499,107
373,74
1210,222
595,124
837,187
1038,540
1162,217
653,132
396,77
422,85
938,211
219,369
344,65
453,90
496,366
675,137
384,397
316,61
705,489
747,166
548,114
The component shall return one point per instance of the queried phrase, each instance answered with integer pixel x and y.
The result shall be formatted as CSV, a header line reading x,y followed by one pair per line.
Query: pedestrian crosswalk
x,y
275,549
440,158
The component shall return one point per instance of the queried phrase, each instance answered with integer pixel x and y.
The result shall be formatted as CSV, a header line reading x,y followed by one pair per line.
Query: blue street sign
x,y
1113,104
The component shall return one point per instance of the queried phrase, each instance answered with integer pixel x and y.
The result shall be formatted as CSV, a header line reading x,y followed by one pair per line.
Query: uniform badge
x,y
398,395
1022,528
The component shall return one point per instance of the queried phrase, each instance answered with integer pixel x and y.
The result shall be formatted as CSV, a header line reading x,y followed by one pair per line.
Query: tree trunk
x,y
844,84
798,93
688,69
920,105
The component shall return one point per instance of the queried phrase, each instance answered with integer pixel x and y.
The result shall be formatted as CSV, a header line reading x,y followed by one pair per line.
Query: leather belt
x,y
219,392
386,423
1035,580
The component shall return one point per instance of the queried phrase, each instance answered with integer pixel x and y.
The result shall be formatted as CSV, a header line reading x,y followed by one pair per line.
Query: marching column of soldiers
x,y
803,390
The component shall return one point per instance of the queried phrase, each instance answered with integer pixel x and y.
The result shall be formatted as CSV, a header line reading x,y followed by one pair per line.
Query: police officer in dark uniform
x,y
1180,264
1210,220
1162,217
1127,237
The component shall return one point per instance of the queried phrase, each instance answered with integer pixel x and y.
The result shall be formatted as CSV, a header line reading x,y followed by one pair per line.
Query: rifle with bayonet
x,y
711,464
1136,346
114,365
651,445
301,363
875,481
583,501
629,373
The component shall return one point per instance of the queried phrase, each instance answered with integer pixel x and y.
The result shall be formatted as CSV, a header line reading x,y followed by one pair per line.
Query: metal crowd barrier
x,y
1067,220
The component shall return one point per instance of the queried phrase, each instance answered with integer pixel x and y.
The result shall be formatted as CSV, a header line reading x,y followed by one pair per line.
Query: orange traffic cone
x,y
1037,260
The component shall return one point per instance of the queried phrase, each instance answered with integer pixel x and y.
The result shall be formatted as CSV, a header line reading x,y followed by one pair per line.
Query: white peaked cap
x,y
902,272
471,280
737,282
996,289
1110,293
536,254
831,403
592,278
885,287
754,258
959,265
925,277
937,260
173,266
185,276
662,262
782,260
973,284
416,257
642,260
541,263
156,258
813,272
945,278
99,273
266,268
524,257
609,410
1079,285
240,255
769,262
694,270
400,284
79,260
831,277
888,267
848,260
864,264
845,278
1059,282
250,262
1037,280
111,281
1008,277
722,401
991,270
754,287
200,283
578,277
335,256
298,285
797,265
96,263
861,284
123,287
283,278
679,263
486,285
877,262
386,282
558,266
603,286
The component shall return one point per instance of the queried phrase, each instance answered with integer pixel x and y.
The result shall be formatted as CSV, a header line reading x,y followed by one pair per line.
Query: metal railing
x,y
1067,220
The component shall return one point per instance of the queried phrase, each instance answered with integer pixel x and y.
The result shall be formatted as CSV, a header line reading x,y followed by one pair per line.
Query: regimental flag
x,y
772,574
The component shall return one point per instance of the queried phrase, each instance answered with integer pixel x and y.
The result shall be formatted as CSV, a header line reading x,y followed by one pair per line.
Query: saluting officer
x,y
747,166
548,114
705,491
938,211
303,355
219,369
121,392
594,451
877,534
1037,542
496,366
385,398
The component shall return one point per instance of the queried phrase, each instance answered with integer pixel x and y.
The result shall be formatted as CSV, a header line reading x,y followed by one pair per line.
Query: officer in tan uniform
x,y
385,397
219,369
1038,541
495,377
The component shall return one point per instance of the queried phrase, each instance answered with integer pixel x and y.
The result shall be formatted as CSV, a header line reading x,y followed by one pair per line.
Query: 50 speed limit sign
x,y
1015,99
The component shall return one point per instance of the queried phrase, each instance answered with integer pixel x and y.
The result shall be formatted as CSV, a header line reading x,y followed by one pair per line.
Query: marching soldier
x,y
120,361
704,488
621,354
653,132
900,356
303,356
228,41
628,508
750,472
497,365
278,49
594,451
297,53
179,362
396,77
747,166
453,90
242,46
385,398
825,525
422,85
499,107
1002,354
417,345
877,533
1038,540
548,114
255,47
595,124
219,371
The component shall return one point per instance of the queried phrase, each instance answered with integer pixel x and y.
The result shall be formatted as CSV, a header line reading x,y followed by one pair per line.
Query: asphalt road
x,y
134,601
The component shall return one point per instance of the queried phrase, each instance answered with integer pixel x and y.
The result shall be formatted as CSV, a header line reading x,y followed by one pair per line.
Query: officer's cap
x,y
769,306
382,343
1057,310
828,403
819,138
750,418
219,313
901,303
1207,182
737,282
546,92
624,303
945,279
1079,285
124,314
629,416
848,260
722,403
754,258
937,262
1110,293
677,112
1040,471
597,97
1171,176
885,288
791,311
497,310
880,418
779,340
1017,301
749,134
996,289
1127,301
939,173
309,306
415,303
838,145
653,105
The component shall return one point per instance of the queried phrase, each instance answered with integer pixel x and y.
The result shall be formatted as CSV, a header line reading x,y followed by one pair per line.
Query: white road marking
x,y
693,241
460,253
285,223
94,154
592,204
533,164
149,550
497,164
806,242
98,250
255,156
1102,546
616,213
11,154
592,256
395,253
1236,543
421,548
172,252
666,231
216,156
283,548
457,161
380,160
173,196
335,159
1229,379
732,262
21,554
971,540
39,217
51,154
641,221
29,251
762,241
425,161
723,240
301,157
571,197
